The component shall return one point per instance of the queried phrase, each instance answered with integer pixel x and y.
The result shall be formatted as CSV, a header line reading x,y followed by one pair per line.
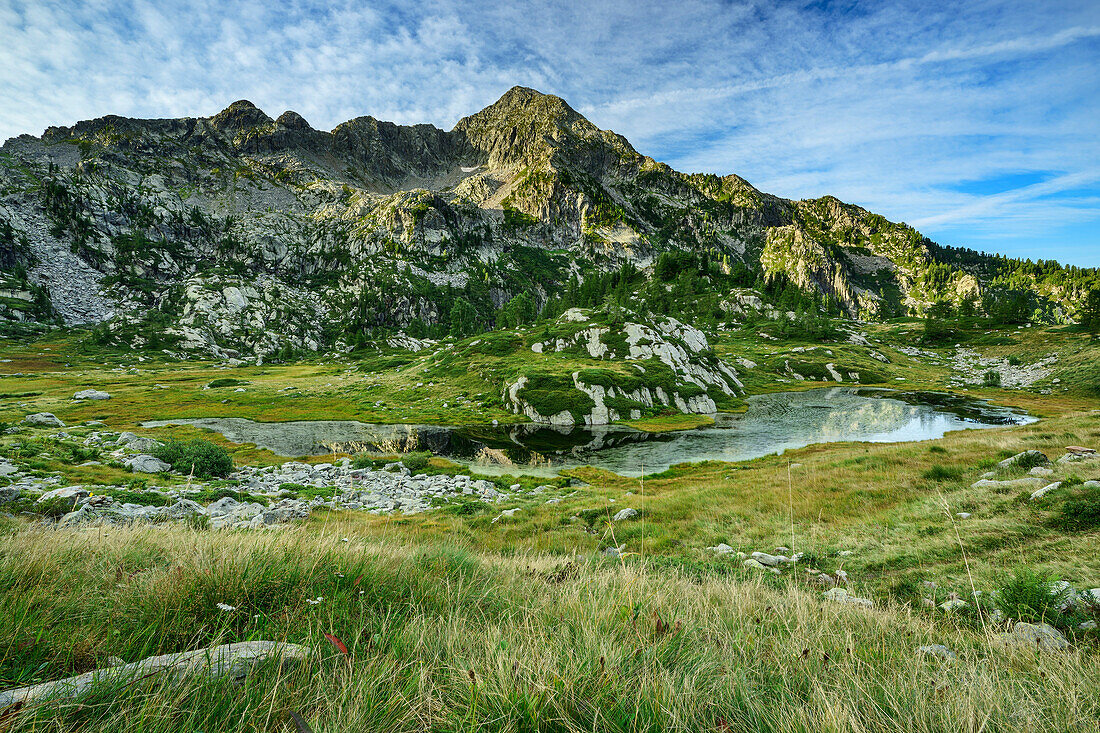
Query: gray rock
x,y
7,469
765,559
1041,471
137,442
954,604
1043,637
622,514
9,494
1040,493
234,661
1027,458
145,463
840,595
91,394
1029,482
69,493
936,650
43,420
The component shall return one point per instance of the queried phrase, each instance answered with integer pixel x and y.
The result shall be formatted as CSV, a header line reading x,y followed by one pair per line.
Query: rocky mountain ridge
x,y
240,234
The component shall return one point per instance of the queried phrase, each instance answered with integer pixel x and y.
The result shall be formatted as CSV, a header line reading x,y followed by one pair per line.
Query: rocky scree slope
x,y
239,233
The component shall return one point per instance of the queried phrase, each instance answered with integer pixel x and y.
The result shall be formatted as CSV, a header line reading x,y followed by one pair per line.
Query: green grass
x,y
441,637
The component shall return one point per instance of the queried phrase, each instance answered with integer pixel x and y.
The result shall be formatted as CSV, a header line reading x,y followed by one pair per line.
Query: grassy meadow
x,y
456,622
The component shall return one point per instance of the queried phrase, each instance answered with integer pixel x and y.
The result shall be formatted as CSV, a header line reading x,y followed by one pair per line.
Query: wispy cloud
x,y
908,107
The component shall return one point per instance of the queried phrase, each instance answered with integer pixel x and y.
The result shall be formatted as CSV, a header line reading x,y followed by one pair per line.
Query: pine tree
x,y
1090,312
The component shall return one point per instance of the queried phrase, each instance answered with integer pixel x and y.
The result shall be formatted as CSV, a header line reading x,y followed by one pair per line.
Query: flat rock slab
x,y
228,660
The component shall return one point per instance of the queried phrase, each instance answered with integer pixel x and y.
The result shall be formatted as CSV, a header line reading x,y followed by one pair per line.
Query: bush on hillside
x,y
205,458
1079,511
1031,596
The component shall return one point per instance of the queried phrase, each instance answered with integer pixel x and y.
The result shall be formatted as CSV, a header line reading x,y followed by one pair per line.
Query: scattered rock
x,y
91,394
43,420
1041,471
1029,482
622,514
840,595
146,463
1040,493
1026,459
1043,637
234,661
137,442
936,650
69,493
954,604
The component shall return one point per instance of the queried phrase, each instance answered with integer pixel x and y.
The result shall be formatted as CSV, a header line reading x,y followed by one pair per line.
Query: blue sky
x,y
977,122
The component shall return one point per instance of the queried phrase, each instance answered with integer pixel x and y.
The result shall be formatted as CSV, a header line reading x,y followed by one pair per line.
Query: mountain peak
x,y
240,115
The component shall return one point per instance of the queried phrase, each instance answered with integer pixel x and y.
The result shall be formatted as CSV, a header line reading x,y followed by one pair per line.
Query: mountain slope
x,y
243,233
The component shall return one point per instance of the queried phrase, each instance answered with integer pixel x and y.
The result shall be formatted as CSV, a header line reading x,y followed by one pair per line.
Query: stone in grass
x,y
938,651
68,493
145,463
233,661
840,595
1027,459
770,560
43,420
954,604
622,514
1041,637
1040,493
91,394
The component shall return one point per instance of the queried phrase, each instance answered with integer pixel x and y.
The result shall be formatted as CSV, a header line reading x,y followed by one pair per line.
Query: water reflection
x,y
772,424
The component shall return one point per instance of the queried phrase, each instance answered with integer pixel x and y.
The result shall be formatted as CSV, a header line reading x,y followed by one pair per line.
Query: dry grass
x,y
443,639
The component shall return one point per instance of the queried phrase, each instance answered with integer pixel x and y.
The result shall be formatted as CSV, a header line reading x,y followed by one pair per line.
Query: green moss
x,y
550,393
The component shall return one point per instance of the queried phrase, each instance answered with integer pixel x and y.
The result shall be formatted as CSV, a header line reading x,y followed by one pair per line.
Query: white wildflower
x,y
226,607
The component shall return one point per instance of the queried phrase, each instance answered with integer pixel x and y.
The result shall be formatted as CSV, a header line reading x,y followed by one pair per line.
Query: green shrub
x,y
551,393
416,461
226,382
1031,596
1079,511
942,473
992,378
205,458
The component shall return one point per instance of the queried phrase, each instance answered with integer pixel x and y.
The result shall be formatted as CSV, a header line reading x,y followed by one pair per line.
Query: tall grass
x,y
442,638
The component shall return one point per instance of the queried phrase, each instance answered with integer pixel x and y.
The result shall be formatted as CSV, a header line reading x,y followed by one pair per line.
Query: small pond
x,y
773,423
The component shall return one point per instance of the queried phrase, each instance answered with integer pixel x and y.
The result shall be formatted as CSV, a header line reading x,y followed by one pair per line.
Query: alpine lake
x,y
771,424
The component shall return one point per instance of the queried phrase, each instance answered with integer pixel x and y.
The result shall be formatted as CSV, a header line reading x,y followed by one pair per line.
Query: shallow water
x,y
771,424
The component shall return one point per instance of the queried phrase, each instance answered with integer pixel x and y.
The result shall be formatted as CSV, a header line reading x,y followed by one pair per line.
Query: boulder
x,y
936,650
233,661
765,559
1040,493
1042,637
43,420
7,469
1030,482
8,494
1027,459
68,493
137,442
840,595
622,514
91,394
146,463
